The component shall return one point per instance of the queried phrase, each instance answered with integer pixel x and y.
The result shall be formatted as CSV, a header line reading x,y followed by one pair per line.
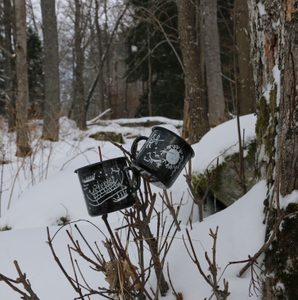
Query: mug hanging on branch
x,y
108,185
162,157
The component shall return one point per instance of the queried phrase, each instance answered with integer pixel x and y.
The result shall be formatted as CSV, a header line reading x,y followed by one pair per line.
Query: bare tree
x,y
107,63
149,81
51,71
195,107
101,83
9,63
23,147
211,51
245,87
103,61
79,111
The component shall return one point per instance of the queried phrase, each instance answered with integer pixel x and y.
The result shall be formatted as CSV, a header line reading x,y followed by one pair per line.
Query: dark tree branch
x,y
103,58
22,279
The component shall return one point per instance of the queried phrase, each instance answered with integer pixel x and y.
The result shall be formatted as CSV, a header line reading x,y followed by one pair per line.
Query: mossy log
x,y
223,182
108,136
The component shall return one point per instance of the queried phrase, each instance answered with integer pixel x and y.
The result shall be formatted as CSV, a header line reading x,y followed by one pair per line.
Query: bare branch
x,y
22,279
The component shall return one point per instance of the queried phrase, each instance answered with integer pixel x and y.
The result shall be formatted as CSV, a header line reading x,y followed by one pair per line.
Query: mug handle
x,y
134,145
135,182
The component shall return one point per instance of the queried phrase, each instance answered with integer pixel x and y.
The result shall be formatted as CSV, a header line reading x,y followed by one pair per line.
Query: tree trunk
x,y
244,76
23,147
195,123
107,61
277,136
149,81
9,66
211,49
51,71
288,121
79,111
101,83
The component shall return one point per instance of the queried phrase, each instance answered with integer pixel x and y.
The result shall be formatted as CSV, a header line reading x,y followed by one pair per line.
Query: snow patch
x,y
261,8
291,198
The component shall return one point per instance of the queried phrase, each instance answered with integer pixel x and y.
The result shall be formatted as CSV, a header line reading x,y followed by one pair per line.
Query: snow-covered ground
x,y
38,191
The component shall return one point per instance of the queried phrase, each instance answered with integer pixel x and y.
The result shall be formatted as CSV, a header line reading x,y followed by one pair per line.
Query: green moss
x,y
108,136
251,150
295,16
282,257
269,142
223,182
263,119
266,122
266,130
200,183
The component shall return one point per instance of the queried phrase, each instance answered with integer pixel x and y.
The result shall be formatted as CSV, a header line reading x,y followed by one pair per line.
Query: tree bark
x,y
244,77
107,61
195,119
51,71
101,83
22,131
211,49
149,81
288,121
275,26
9,65
79,111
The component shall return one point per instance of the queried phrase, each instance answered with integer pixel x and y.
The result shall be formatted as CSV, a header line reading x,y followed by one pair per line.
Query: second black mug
x,y
162,157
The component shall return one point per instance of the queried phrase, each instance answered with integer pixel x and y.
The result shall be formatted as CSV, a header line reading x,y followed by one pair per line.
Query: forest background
x,y
201,61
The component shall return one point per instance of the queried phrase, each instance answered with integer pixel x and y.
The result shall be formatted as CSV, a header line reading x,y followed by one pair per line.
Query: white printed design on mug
x,y
154,139
110,188
170,157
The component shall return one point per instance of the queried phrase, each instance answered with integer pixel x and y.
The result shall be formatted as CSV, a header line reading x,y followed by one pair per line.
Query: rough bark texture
x,y
9,65
79,111
107,63
288,121
211,49
275,26
195,108
244,76
101,83
23,147
51,71
265,55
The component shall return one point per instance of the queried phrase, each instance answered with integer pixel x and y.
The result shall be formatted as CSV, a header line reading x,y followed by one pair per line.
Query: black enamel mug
x,y
162,157
108,186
